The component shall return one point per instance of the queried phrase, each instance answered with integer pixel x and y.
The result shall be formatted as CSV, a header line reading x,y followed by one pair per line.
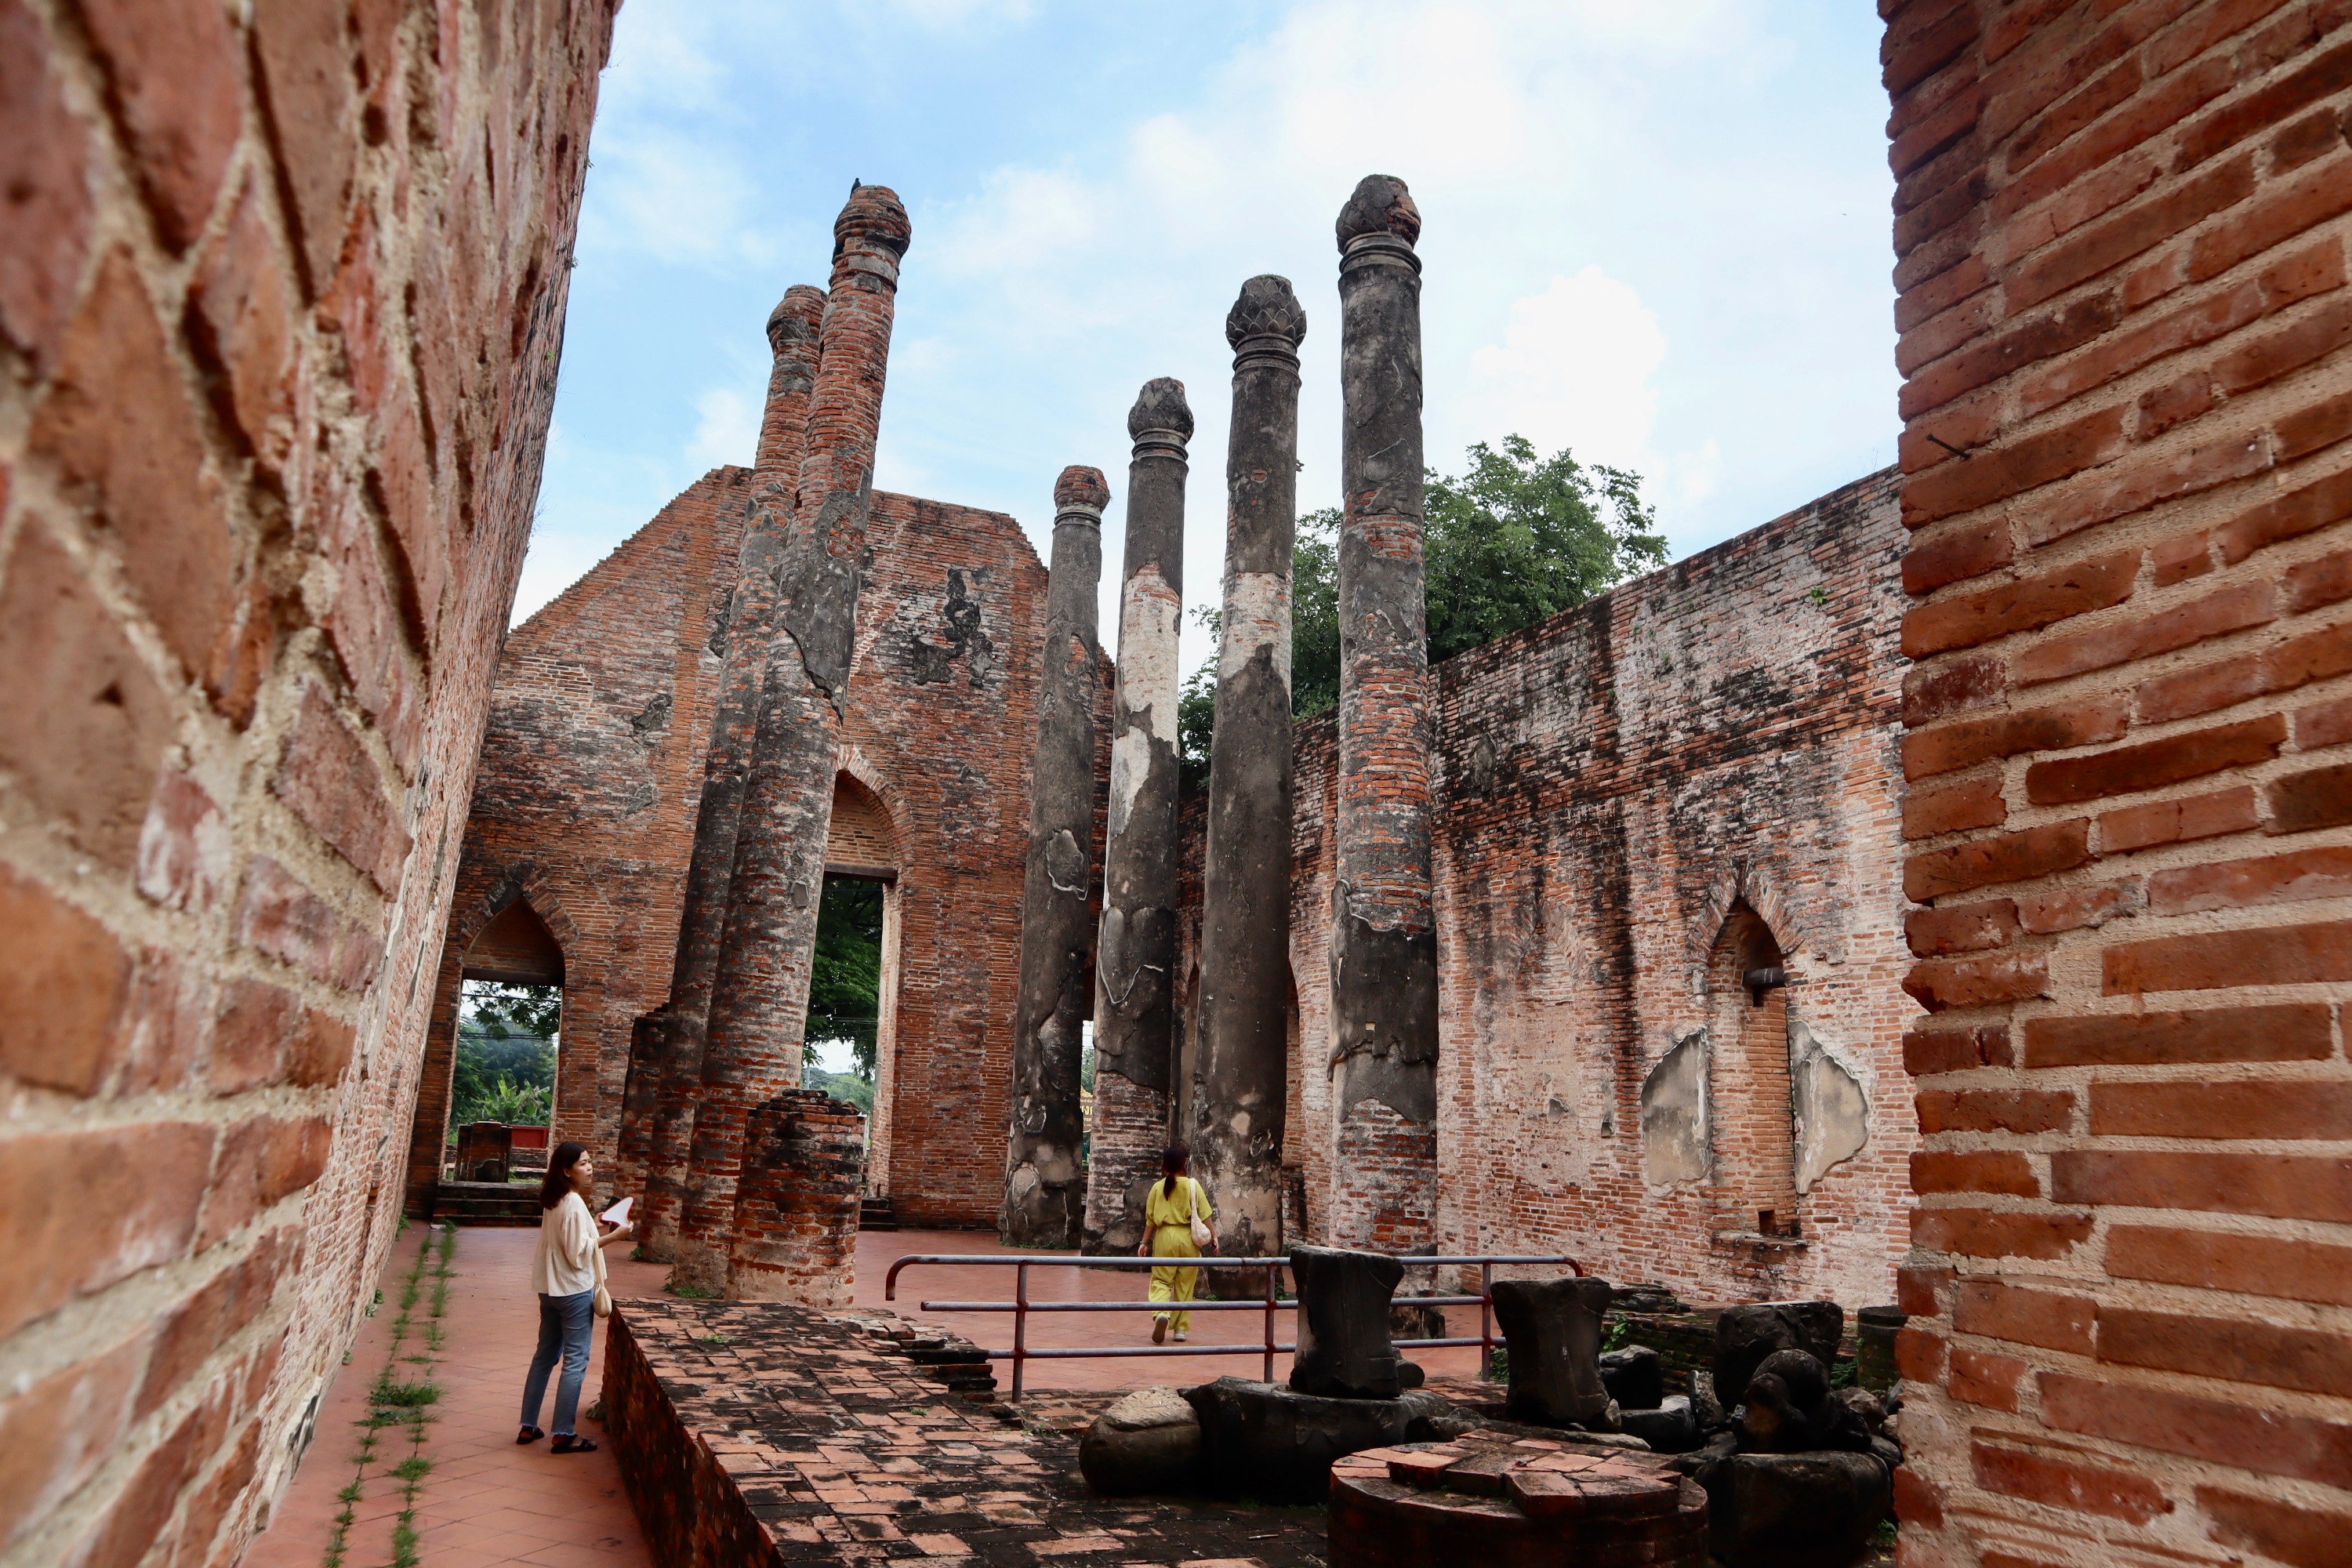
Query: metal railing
x,y
1020,1306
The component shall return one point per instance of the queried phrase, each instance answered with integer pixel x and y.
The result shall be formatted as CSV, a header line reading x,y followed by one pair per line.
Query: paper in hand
x,y
618,1213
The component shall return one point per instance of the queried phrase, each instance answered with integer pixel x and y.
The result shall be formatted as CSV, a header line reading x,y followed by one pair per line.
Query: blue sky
x,y
1655,232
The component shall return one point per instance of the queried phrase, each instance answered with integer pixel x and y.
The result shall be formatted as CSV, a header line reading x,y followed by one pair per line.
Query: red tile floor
x,y
488,1501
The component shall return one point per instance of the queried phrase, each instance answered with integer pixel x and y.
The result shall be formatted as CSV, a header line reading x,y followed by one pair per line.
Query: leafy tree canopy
x,y
845,979
1515,538
505,1069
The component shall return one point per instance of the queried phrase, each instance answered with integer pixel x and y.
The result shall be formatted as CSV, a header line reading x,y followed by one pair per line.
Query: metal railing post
x,y
1486,1320
1020,1324
1271,1271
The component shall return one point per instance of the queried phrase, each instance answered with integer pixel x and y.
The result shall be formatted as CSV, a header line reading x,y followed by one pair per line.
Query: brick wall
x,y
1711,745
281,296
2120,233
592,769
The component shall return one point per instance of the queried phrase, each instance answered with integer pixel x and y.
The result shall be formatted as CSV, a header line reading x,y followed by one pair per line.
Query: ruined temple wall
x,y
2120,237
1610,782
283,291
592,773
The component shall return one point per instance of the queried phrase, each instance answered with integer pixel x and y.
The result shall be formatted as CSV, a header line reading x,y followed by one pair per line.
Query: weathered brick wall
x,y
1615,784
2120,233
592,770
281,297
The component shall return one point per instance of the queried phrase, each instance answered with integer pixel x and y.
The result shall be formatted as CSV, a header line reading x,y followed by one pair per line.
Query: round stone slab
x,y
1506,1505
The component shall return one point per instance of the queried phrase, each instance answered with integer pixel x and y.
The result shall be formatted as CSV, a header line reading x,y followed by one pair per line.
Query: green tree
x,y
1515,538
507,1037
846,977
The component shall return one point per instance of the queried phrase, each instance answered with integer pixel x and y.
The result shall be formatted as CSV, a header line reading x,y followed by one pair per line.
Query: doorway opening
x,y
510,1032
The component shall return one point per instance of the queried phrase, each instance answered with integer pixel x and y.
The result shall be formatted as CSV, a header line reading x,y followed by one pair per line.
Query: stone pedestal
x,y
1344,1349
1635,1377
1149,1442
1273,1444
795,1231
1553,1329
1512,1505
1744,1336
1794,1511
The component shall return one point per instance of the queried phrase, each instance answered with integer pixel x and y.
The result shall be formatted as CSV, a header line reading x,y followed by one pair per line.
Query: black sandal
x,y
571,1443
529,1435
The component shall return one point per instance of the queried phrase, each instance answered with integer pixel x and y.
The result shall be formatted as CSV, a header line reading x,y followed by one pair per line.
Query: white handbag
x,y
1203,1236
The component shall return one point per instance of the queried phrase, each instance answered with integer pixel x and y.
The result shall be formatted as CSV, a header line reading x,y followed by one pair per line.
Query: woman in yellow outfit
x,y
1169,1207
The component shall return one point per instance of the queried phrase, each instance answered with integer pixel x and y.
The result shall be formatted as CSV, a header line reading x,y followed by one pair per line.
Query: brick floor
x,y
489,1500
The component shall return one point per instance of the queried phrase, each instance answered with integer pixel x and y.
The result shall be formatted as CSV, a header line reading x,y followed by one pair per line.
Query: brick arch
x,y
860,765
522,879
1742,883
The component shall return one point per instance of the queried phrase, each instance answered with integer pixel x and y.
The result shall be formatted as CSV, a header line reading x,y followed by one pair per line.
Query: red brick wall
x,y
2120,231
281,296
1612,783
592,769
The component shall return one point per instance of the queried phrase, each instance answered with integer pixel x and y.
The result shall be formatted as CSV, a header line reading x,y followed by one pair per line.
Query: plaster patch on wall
x,y
1674,1115
1833,1114
1150,614
1258,615
1131,764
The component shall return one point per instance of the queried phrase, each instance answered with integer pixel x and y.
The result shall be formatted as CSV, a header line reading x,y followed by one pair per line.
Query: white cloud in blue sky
x,y
1654,233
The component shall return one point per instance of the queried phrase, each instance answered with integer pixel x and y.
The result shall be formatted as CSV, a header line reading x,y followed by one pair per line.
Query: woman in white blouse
x,y
563,1271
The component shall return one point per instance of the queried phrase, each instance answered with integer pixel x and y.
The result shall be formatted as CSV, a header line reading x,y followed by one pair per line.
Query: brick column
x,y
759,996
795,1237
1383,928
1245,1007
1045,1181
1134,1011
665,1051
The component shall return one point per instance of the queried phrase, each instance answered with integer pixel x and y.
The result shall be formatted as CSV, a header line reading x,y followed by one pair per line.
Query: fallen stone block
x,y
1275,1444
1148,1442
1744,1336
1635,1377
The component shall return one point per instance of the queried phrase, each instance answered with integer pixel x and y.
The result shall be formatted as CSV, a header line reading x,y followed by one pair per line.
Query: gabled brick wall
x,y
592,770
2120,233
281,298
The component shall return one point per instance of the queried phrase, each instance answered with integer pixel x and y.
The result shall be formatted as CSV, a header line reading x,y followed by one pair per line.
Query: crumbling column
x,y
1244,1006
1044,1181
665,1046
1134,1001
796,1232
758,997
1384,926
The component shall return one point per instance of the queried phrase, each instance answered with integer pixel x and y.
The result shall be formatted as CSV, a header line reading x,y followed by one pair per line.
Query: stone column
x,y
1245,1007
1383,928
759,996
1045,1181
1134,1000
666,1048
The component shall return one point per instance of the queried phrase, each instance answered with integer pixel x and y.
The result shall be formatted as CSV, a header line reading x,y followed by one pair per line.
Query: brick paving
x,y
491,1501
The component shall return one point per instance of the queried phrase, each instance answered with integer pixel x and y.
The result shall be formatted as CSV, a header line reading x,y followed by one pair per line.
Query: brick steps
x,y
485,1203
875,1214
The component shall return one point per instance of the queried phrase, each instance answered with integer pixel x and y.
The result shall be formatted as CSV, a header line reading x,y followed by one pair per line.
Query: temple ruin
x,y
2040,732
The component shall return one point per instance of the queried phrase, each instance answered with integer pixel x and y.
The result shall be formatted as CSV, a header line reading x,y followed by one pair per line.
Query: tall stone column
x,y
759,996
1244,1006
1135,1054
1383,925
666,1069
1044,1181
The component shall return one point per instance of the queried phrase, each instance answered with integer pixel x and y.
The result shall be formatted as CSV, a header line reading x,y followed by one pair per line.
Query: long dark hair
x,y
558,1180
1172,1161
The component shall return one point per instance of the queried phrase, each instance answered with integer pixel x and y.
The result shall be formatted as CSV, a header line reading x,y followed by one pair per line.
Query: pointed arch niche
x,y
1755,1129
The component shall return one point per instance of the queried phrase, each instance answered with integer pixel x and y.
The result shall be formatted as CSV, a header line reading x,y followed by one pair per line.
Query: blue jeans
x,y
565,1324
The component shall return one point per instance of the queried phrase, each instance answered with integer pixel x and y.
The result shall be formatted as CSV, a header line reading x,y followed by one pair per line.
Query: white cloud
x,y
729,433
1576,368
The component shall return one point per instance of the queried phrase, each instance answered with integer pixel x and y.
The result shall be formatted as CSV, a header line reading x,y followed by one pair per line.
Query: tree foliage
x,y
1511,541
845,978
506,1039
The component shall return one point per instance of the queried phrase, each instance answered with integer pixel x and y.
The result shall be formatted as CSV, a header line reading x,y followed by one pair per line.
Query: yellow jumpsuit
x,y
1170,1221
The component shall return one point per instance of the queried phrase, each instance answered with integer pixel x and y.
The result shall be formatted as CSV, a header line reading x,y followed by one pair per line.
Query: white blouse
x,y
565,1261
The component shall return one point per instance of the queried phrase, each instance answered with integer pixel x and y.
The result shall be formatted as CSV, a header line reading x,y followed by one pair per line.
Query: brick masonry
x,y
795,1230
2120,234
1615,788
281,300
592,770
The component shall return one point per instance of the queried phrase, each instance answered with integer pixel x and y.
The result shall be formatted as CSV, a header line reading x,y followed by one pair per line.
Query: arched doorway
x,y
509,1033
852,1025
1755,1127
